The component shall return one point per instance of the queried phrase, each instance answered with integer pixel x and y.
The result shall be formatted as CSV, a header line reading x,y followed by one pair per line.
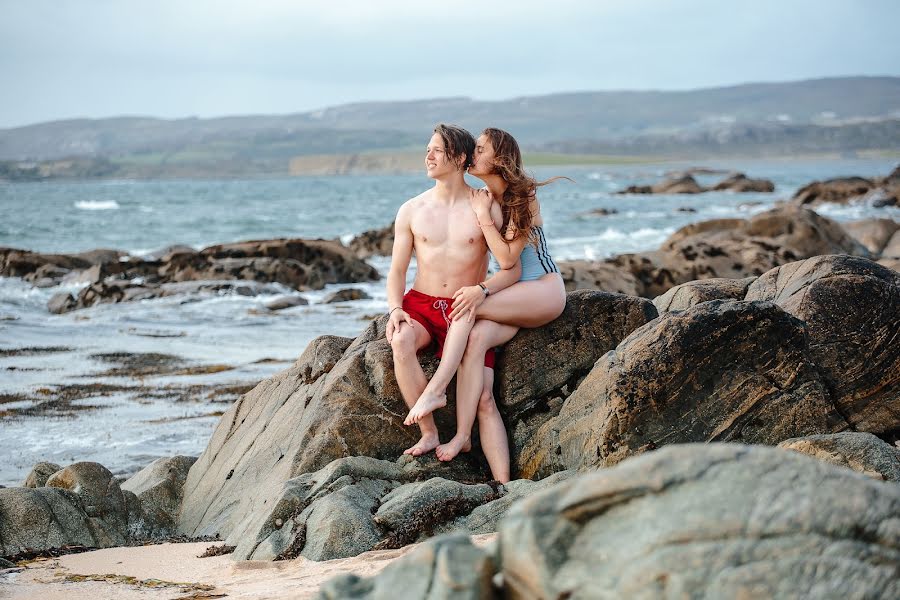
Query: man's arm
x,y
396,279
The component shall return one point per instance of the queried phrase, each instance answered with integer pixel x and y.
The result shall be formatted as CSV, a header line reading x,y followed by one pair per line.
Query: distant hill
x,y
824,115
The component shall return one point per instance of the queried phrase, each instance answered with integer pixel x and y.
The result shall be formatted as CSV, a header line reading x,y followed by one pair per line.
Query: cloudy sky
x,y
176,58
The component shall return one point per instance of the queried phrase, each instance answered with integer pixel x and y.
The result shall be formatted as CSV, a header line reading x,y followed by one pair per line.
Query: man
x,y
440,226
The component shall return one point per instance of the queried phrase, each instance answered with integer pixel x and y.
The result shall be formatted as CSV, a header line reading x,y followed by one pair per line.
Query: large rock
x,y
686,295
43,518
738,182
839,190
851,307
874,234
374,242
341,399
681,184
40,473
706,521
859,451
592,275
720,371
103,500
892,247
158,486
445,568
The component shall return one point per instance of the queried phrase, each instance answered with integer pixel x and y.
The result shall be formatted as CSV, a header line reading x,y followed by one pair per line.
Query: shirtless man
x,y
440,226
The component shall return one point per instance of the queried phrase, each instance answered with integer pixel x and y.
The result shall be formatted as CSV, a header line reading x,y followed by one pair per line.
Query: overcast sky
x,y
176,58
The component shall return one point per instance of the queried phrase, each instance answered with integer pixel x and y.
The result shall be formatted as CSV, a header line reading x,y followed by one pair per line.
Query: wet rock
x,y
862,452
706,521
720,371
683,184
591,275
61,303
414,510
100,495
40,473
738,182
839,190
158,487
346,295
378,242
686,295
874,234
851,307
286,302
442,568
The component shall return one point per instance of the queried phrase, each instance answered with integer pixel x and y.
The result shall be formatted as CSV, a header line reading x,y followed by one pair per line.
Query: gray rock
x,y
415,509
862,452
40,473
101,497
874,234
44,518
445,568
686,295
851,307
286,302
706,521
5,564
346,295
158,487
594,275
61,302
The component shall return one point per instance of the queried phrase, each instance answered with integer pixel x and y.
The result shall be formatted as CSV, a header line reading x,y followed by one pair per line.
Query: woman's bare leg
x,y
492,432
470,382
526,303
434,396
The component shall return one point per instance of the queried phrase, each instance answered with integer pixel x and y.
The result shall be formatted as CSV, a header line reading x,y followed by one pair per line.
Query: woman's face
x,y
483,161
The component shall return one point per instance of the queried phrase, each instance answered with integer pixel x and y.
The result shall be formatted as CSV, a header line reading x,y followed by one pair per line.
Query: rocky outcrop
x,y
40,473
591,275
705,521
740,183
737,248
378,242
862,452
851,307
686,295
41,518
874,234
347,295
158,486
719,371
684,183
341,399
881,191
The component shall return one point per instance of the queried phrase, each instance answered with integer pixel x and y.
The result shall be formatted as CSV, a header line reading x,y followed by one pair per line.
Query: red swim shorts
x,y
431,312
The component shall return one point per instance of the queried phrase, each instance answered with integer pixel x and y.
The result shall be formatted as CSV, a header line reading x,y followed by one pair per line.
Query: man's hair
x,y
457,142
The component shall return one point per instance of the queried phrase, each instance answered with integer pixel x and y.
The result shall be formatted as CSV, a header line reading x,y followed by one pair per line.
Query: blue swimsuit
x,y
535,257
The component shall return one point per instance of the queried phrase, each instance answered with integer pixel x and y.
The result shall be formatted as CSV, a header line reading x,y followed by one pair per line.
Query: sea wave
x,y
97,205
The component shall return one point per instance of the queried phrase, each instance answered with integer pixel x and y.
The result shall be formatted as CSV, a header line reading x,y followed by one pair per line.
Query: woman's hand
x,y
480,202
465,299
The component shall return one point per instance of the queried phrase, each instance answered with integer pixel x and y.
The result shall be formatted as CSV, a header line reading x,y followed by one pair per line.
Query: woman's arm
x,y
470,297
490,219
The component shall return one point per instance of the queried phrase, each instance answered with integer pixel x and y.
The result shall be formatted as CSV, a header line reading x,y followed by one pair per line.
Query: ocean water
x,y
130,428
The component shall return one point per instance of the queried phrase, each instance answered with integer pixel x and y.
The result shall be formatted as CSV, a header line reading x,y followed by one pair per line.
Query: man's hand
x,y
481,201
397,316
466,298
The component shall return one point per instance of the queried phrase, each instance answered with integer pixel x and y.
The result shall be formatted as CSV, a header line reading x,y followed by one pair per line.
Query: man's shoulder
x,y
416,201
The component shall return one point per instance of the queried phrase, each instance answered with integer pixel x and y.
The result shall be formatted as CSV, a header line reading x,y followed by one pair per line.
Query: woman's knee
x,y
479,337
486,403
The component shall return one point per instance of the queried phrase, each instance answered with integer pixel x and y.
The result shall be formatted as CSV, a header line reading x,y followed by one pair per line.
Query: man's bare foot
x,y
427,403
448,451
425,445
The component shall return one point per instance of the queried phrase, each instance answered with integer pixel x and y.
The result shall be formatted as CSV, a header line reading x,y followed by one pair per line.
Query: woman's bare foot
x,y
448,451
427,403
425,445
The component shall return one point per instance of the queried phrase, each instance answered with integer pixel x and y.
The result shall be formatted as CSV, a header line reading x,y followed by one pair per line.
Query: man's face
x,y
483,160
437,164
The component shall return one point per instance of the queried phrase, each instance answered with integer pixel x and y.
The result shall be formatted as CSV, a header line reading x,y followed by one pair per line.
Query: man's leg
x,y
494,442
470,381
407,341
435,394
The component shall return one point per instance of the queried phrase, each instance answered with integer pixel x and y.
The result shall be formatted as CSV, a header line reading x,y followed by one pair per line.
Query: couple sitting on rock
x,y
451,227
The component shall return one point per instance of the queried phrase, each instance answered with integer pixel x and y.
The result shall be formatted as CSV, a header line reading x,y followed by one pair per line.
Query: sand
x,y
175,571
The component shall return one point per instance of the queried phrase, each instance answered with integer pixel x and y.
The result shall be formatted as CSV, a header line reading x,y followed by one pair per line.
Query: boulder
x,y
686,295
374,242
851,307
101,497
706,521
346,295
443,568
720,371
874,234
738,182
286,302
341,399
592,275
61,302
838,191
680,184
35,519
40,473
862,452
158,486
892,247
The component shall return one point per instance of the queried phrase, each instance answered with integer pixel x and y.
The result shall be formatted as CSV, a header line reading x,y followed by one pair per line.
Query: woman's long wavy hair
x,y
521,186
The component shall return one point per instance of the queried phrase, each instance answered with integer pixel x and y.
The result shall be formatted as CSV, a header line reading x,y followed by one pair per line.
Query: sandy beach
x,y
175,571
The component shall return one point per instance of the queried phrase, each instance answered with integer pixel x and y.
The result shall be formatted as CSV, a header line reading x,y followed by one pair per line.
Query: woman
x,y
538,298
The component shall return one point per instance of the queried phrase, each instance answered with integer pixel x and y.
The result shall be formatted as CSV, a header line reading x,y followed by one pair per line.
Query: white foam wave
x,y
97,205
